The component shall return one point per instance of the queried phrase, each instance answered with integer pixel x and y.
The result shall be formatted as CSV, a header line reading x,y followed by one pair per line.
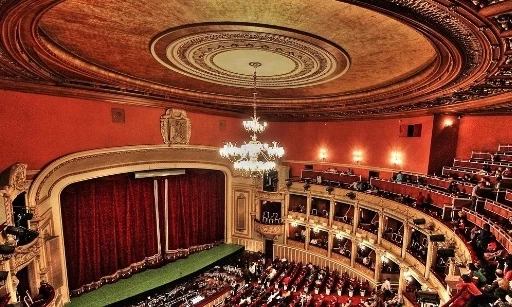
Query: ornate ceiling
x,y
321,60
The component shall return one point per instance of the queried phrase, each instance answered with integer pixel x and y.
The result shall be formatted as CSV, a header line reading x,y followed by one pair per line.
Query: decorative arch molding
x,y
44,194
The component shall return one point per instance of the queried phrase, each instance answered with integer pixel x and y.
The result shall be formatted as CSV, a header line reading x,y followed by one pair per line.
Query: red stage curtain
x,y
109,224
196,208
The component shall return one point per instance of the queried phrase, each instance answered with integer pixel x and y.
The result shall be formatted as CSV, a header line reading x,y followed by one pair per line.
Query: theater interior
x,y
120,122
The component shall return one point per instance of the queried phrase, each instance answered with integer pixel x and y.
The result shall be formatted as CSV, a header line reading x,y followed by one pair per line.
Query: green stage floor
x,y
153,278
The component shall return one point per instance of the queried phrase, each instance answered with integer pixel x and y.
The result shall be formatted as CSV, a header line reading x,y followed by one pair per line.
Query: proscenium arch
x,y
44,195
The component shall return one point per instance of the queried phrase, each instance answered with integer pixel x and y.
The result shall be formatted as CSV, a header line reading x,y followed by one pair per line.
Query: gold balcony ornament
x,y
269,231
253,158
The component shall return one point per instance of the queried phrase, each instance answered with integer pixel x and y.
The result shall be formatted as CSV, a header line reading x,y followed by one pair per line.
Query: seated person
x,y
399,177
374,301
506,172
396,301
366,261
348,303
420,201
453,188
466,292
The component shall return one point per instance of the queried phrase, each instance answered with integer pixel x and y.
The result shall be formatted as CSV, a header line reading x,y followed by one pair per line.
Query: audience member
x,y
466,292
475,193
385,288
399,177
420,201
507,172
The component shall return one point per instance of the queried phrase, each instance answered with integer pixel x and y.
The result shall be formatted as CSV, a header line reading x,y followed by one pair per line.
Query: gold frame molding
x,y
44,194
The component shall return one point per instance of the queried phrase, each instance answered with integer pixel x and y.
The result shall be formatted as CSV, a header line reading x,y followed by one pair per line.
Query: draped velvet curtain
x,y
194,215
111,224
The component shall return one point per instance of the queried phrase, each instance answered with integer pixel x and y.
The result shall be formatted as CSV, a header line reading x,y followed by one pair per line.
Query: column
x,y
308,230
353,252
356,216
378,264
430,258
402,281
331,211
330,243
286,203
308,205
380,230
286,231
406,238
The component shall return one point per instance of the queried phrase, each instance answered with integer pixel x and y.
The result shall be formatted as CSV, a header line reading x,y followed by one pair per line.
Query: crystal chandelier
x,y
253,158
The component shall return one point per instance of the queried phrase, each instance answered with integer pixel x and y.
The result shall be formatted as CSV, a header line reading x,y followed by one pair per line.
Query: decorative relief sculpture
x,y
175,127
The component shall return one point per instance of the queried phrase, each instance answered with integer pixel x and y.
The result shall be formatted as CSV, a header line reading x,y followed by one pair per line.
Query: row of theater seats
x,y
285,283
486,231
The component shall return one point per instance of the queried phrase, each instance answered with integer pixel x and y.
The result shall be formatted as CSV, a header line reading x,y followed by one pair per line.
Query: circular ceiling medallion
x,y
221,54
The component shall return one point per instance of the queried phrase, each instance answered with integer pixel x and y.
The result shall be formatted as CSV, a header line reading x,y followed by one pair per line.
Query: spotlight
x,y
446,252
329,189
306,186
418,221
437,238
351,195
288,183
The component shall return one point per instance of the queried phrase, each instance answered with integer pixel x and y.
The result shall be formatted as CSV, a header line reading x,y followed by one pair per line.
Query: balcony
x,y
269,231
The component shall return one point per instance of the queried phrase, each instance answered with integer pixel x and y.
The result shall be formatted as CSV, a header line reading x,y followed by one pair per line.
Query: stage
x,y
145,283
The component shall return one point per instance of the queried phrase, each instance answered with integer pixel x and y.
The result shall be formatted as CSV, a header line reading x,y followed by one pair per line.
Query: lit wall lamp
x,y
357,156
396,158
448,122
323,154
316,229
294,224
339,236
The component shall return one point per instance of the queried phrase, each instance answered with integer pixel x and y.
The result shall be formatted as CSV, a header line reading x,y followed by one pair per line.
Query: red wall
x,y
375,138
483,133
37,129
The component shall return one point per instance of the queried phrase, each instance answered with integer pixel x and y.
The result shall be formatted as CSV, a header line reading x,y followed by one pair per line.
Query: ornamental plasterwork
x,y
268,231
175,127
16,185
200,55
24,255
270,196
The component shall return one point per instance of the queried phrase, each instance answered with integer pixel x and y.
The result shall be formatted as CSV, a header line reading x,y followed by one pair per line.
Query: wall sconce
x,y
339,236
448,122
323,154
396,158
316,229
294,224
383,258
357,156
